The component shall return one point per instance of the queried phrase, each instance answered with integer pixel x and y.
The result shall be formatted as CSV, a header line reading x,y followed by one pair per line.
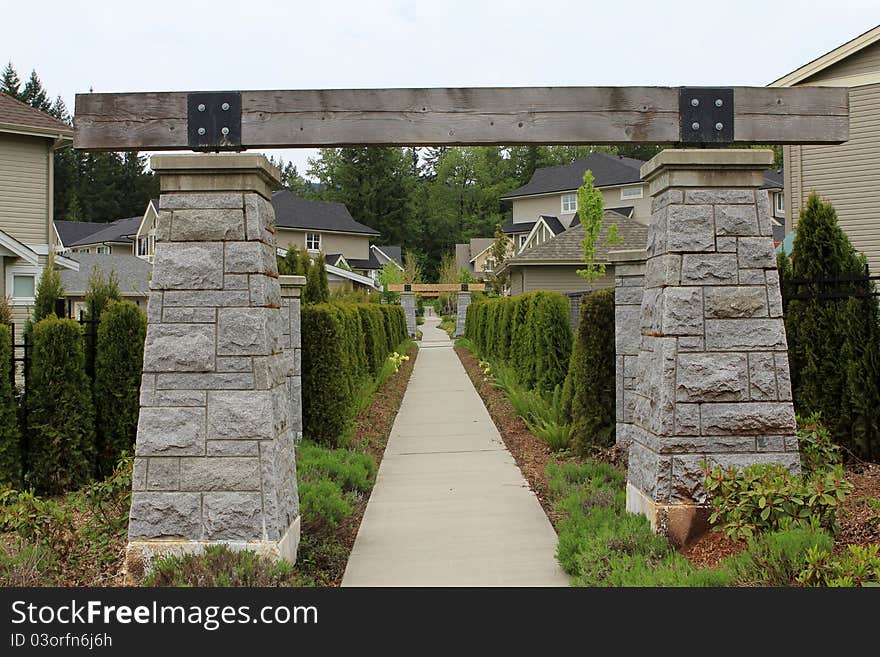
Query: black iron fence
x,y
829,289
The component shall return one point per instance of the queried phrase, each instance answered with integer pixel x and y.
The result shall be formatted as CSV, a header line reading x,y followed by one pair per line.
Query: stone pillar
x,y
464,300
629,287
712,373
214,459
291,287
408,301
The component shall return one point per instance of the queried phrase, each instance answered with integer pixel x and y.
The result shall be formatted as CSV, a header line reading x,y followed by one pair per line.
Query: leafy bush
x,y
767,497
590,384
859,566
323,503
119,363
10,437
542,412
221,567
817,450
61,418
317,289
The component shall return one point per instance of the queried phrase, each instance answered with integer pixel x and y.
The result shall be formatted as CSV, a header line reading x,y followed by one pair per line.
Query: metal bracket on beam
x,y
705,115
213,121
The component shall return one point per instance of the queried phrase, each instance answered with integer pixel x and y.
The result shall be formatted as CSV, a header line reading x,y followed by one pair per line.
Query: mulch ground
x,y
530,454
372,429
859,520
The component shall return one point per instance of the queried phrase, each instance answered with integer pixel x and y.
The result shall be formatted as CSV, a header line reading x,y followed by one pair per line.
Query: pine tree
x,y
833,342
10,438
317,288
48,290
61,418
11,83
34,94
59,110
121,336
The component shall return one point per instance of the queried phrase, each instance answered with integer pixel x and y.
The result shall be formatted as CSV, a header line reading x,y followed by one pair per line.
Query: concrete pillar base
x,y
680,523
139,555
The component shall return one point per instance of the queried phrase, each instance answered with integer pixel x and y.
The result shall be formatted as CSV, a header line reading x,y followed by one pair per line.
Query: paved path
x,y
450,507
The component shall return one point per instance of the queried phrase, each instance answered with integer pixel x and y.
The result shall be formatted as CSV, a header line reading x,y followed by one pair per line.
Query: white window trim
x,y
562,203
521,241
779,202
311,249
624,196
22,270
103,246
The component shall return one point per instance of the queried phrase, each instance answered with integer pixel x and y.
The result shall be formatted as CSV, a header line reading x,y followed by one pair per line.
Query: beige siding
x,y
848,175
24,188
560,278
864,62
529,209
115,249
350,246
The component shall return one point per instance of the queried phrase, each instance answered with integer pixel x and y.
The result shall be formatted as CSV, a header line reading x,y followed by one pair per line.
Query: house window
x,y
521,240
635,191
23,286
569,203
490,264
143,246
103,250
779,202
313,241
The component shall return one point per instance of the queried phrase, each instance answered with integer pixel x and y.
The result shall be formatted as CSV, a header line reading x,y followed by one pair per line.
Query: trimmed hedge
x,y
61,418
531,332
118,365
590,385
343,344
10,438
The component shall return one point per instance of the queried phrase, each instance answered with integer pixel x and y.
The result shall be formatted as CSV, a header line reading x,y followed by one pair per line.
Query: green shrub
x,y
10,436
317,289
817,450
323,503
767,497
858,566
119,364
551,340
27,565
101,291
591,375
776,558
375,340
220,566
833,344
61,418
49,289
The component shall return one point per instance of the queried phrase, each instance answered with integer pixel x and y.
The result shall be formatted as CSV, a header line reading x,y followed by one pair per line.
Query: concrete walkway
x,y
450,506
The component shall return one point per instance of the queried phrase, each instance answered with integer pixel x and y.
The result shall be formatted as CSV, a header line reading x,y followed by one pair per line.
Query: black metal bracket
x,y
464,287
213,121
407,287
705,115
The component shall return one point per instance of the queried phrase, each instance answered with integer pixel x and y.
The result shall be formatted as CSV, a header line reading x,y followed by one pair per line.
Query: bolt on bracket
x,y
705,115
213,121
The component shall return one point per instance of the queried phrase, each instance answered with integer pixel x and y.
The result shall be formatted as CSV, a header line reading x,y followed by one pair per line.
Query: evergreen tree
x,y
34,95
317,289
121,337
10,438
11,83
49,289
61,418
833,342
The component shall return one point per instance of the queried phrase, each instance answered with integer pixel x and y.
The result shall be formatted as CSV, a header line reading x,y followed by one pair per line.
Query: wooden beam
x,y
439,288
467,116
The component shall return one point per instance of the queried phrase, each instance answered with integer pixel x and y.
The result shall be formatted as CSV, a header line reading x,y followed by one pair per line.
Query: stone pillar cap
x,y
216,172
291,281
628,255
706,167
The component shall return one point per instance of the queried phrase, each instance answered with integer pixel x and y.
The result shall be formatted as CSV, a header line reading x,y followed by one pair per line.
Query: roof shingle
x,y
296,212
16,114
607,170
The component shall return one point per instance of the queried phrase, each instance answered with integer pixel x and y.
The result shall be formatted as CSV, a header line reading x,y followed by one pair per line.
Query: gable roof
x,y
16,116
607,170
521,227
394,253
566,247
829,59
73,231
133,273
116,231
479,245
625,212
301,213
774,179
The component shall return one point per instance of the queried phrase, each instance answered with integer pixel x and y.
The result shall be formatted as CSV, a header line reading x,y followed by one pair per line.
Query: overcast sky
x,y
159,45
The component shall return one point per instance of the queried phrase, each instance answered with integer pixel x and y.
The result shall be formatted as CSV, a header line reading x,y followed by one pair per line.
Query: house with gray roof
x,y
133,275
553,264
475,257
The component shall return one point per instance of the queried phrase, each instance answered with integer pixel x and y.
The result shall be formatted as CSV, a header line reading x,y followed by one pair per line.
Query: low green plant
x,y
858,566
22,565
818,451
768,497
776,558
220,566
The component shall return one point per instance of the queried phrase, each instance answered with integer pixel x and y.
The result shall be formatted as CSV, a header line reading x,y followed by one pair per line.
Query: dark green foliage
x,y
817,450
101,291
328,480
767,497
339,353
317,289
49,288
10,437
294,262
776,558
221,566
61,417
120,355
590,385
834,344
531,332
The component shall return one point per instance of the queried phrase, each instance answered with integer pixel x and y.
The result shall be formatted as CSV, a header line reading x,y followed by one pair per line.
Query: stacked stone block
x,y
629,289
291,338
464,300
712,379
408,301
214,459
